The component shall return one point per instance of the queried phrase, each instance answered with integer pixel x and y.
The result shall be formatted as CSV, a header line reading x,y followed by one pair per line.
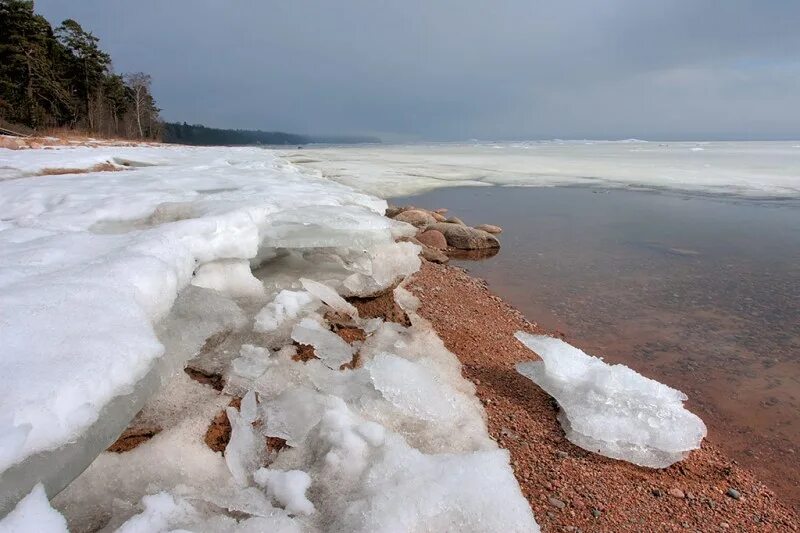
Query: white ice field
x,y
768,170
110,282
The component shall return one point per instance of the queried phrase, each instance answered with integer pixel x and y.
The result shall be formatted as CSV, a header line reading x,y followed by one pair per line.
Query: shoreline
x,y
569,488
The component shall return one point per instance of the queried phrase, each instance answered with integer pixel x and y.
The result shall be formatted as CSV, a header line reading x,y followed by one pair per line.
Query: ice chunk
x,y
413,389
242,452
252,361
329,296
293,414
287,305
288,488
231,278
328,346
33,514
611,409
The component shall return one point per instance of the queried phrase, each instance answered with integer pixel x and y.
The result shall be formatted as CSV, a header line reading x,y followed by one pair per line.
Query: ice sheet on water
x,y
747,169
330,348
611,409
33,514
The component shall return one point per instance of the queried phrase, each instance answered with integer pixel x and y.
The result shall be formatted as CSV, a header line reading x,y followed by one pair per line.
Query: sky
x,y
463,69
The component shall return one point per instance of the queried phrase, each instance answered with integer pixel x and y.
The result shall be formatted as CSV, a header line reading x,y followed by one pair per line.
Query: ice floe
x,y
611,409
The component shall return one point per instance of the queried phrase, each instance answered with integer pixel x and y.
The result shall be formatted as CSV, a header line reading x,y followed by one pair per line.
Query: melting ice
x,y
611,409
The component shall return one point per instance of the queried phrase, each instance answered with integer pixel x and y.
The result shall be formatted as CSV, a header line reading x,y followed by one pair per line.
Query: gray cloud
x,y
458,69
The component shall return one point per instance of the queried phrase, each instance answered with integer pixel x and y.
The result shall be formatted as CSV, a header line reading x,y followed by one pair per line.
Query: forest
x,y
53,78
198,134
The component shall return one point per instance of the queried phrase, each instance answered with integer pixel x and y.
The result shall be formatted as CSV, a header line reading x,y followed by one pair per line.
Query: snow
x,y
741,169
33,514
288,488
611,409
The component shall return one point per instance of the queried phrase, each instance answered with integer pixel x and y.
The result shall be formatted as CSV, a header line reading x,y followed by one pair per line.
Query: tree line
x,y
60,77
197,134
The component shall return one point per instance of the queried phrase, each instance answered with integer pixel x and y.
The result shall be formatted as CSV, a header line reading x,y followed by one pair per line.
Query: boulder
x,y
416,217
440,211
465,238
455,220
490,228
394,210
439,217
433,238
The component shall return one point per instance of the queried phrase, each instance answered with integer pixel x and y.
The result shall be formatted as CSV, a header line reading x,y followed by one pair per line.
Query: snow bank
x,y
611,409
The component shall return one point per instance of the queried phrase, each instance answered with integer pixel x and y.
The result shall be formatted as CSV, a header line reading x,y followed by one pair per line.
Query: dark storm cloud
x,y
461,69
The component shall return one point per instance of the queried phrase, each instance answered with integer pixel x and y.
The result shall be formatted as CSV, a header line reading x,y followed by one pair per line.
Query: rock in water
x,y
466,238
490,228
433,238
611,409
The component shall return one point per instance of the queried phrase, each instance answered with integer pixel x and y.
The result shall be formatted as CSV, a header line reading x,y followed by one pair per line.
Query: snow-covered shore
x,y
111,281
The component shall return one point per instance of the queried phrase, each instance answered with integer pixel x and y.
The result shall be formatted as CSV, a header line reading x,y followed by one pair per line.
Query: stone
x,y
490,228
466,238
433,238
439,217
733,493
394,210
555,502
455,220
561,454
440,211
596,513
434,255
676,493
416,217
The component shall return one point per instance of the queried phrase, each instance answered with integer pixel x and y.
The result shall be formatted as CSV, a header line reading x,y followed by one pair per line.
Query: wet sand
x,y
699,293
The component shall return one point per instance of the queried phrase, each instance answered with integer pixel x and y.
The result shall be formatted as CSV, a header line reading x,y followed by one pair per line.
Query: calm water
x,y
700,293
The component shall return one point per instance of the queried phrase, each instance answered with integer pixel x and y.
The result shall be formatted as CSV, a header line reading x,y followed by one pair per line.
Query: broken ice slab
x,y
611,409
330,348
329,296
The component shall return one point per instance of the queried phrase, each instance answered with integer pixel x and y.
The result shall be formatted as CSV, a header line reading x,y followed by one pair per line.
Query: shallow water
x,y
700,293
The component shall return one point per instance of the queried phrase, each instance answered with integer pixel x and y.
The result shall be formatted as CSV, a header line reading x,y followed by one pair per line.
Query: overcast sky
x,y
461,69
